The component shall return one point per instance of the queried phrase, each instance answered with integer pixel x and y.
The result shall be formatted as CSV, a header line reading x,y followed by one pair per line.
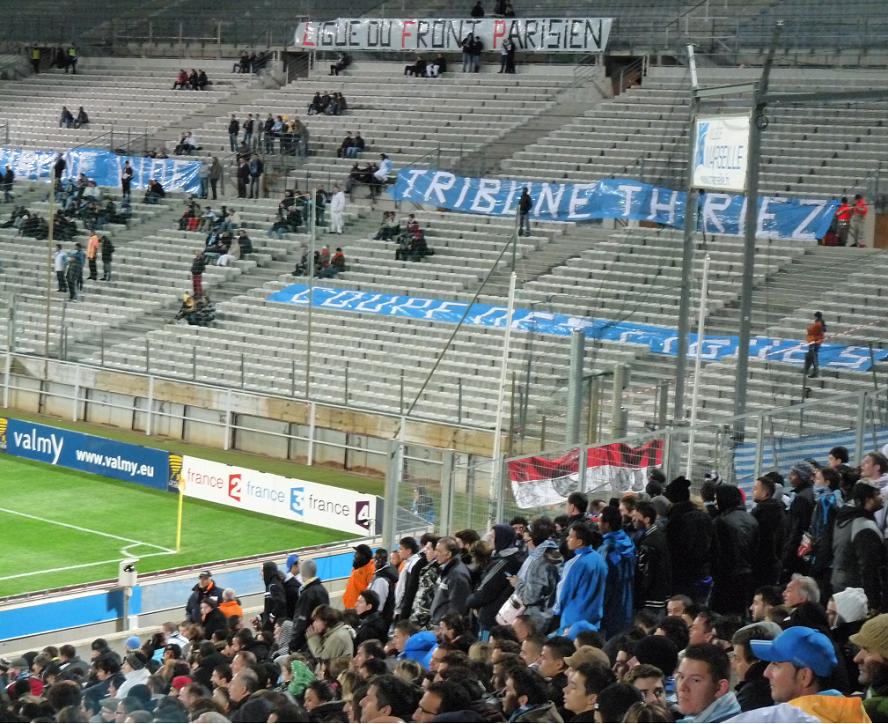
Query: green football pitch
x,y
62,527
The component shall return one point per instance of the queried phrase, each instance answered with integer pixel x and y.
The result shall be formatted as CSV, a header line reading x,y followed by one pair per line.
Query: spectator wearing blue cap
x,y
801,663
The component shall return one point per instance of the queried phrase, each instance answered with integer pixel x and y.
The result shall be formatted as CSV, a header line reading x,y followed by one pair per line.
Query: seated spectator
x,y
317,104
243,64
202,80
193,79
389,228
82,118
347,143
154,193
337,265
359,175
181,80
418,68
67,118
437,66
187,144
342,62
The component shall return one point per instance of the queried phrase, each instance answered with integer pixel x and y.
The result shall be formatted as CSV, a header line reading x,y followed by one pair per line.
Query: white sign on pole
x,y
297,500
720,153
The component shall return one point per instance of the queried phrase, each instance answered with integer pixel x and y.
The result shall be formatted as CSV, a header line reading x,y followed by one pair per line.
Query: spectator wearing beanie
x,y
690,534
135,672
872,659
736,534
495,588
801,477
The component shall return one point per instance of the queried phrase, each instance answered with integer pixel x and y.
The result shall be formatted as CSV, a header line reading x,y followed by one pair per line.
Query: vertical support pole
x,y
74,402
345,387
392,487
147,355
618,412
102,346
687,257
698,361
663,403
226,444
6,375
594,409
750,225
49,273
311,433
242,375
311,274
293,377
459,395
582,460
575,388
150,403
861,425
194,363
445,523
543,433
511,447
401,406
496,455
759,447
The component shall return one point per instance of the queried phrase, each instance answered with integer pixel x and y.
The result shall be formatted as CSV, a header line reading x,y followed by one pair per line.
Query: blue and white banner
x,y
661,340
719,213
103,167
79,451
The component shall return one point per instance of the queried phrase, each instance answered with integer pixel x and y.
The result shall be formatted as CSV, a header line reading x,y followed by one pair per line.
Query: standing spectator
x,y
59,261
467,44
72,59
580,595
249,126
618,551
495,587
311,595
8,181
292,583
703,684
126,180
691,537
858,220
477,10
363,570
92,255
454,583
198,265
653,576
801,477
843,221
476,48
275,600
736,538
525,204
537,579
205,588
215,175
815,333
257,168
858,552
35,59
233,130
509,44
337,209
771,517
413,553
243,177
58,169
383,585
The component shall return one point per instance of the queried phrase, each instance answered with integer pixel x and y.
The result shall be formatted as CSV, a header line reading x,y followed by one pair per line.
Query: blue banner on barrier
x,y
783,218
661,340
91,454
104,167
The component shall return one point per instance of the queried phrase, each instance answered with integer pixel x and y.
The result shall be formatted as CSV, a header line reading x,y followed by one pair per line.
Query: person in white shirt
x,y
337,209
385,168
59,260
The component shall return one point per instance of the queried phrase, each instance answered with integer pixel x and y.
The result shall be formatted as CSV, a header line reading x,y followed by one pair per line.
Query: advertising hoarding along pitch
x,y
297,500
443,35
720,152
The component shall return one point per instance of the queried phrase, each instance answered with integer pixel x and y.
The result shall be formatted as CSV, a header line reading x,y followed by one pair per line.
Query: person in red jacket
x,y
843,220
363,570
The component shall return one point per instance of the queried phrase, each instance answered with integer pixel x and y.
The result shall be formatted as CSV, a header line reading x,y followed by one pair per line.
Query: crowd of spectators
x,y
657,607
195,80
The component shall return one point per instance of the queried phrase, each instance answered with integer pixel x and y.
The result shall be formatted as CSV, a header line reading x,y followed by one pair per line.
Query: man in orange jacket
x,y
92,253
843,220
858,219
363,569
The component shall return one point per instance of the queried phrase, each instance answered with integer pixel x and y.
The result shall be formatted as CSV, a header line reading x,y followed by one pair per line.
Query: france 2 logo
x,y
234,486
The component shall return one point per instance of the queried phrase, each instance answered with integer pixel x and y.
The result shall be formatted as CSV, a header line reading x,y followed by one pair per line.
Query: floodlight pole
x,y
311,273
687,256
756,126
49,264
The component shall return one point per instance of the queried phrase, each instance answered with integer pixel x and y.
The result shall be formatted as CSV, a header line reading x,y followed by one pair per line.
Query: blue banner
x,y
782,218
661,340
104,167
91,454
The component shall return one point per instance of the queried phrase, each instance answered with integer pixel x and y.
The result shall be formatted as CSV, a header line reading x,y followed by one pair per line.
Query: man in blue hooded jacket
x,y
580,595
618,551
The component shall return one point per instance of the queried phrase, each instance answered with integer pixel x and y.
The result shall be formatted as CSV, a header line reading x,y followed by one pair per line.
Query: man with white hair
x,y
311,595
799,590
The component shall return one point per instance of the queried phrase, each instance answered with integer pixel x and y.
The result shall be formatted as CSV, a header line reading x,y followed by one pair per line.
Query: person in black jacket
x,y
736,537
858,549
414,570
691,536
311,595
494,588
771,517
243,178
753,690
212,619
198,264
371,624
384,582
525,204
205,588
292,583
653,572
275,605
801,477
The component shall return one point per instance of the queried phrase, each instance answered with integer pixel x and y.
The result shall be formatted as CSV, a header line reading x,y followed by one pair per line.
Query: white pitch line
x,y
85,530
74,568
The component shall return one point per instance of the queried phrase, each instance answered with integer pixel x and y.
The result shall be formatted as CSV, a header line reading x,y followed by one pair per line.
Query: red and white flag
x,y
539,481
